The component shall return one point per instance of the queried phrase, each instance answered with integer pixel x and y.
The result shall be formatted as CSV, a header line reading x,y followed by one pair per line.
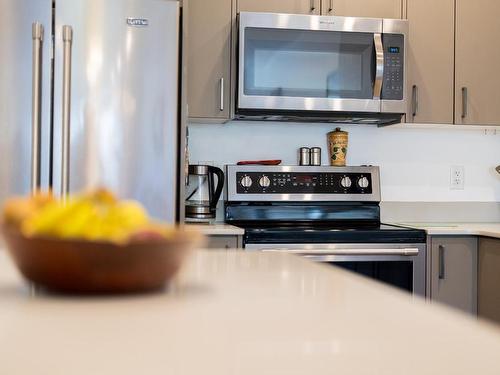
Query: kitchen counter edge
x,y
456,229
217,229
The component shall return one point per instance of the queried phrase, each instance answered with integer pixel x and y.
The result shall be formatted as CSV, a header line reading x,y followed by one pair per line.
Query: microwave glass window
x,y
302,63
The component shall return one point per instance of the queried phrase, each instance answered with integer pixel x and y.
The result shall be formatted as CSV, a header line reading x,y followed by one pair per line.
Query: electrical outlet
x,y
457,177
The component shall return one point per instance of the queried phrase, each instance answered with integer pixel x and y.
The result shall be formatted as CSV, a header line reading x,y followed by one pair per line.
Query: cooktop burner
x,y
375,233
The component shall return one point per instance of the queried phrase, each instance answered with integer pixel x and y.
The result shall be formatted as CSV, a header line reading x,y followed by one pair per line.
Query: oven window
x,y
396,273
303,63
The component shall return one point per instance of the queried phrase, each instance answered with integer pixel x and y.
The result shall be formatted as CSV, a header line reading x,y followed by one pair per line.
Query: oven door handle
x,y
379,66
412,251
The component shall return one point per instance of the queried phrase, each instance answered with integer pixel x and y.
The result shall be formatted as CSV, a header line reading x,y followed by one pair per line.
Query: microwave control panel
x,y
393,86
303,183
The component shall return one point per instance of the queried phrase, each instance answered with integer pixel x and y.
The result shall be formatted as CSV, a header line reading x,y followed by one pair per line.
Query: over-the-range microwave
x,y
321,68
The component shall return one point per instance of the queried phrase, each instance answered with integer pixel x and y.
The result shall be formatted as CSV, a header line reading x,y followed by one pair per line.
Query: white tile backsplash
x,y
415,163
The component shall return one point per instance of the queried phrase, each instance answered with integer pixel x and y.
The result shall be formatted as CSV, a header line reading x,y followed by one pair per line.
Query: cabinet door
x,y
363,8
489,279
477,88
454,272
280,6
209,58
223,242
431,61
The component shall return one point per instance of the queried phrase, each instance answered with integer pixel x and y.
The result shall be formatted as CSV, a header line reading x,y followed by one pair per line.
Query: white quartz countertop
x,y
217,229
241,313
469,229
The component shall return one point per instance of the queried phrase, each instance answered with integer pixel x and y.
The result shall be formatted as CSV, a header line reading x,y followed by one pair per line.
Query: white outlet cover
x,y
457,177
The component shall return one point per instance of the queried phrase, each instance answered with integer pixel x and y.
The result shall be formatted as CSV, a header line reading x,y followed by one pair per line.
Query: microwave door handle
x,y
36,108
379,66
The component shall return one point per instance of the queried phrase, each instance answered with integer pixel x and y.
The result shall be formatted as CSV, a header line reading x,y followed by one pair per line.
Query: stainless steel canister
x,y
315,156
304,156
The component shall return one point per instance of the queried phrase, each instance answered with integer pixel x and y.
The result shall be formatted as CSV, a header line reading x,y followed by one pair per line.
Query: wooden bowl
x,y
78,266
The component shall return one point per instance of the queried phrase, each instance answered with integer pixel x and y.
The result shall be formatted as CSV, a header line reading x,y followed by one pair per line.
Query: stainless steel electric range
x,y
327,214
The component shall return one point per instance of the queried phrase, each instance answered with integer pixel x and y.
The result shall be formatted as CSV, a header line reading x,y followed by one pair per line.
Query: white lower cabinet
x,y
453,271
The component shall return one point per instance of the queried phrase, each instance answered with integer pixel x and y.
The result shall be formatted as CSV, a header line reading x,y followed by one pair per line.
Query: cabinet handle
x,y
441,262
414,100
465,110
36,111
221,91
313,5
330,6
66,108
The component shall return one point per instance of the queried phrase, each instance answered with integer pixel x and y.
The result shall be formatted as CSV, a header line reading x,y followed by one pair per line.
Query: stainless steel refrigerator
x,y
90,96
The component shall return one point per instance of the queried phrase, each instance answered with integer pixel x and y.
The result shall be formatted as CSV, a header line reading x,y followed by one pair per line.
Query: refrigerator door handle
x,y
36,105
67,35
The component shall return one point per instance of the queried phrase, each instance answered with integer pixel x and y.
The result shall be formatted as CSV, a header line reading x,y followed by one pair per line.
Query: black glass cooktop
x,y
313,222
324,233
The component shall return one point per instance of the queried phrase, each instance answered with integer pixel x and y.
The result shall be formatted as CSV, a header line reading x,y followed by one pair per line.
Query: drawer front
x,y
222,242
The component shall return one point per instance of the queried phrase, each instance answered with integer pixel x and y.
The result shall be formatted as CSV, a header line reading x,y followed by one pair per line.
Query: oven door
x,y
400,265
310,63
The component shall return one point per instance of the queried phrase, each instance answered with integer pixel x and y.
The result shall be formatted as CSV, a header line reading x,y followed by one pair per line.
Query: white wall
x,y
415,162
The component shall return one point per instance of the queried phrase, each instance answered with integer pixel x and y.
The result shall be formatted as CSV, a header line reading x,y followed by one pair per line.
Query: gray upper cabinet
x,y
280,6
352,8
431,61
452,59
477,82
453,272
209,59
363,8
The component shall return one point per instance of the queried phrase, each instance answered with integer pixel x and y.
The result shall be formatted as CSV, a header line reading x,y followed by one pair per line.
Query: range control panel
x,y
303,183
256,183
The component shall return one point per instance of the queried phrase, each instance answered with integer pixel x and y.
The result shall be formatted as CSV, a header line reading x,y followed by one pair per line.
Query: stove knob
x,y
264,181
345,182
363,183
246,182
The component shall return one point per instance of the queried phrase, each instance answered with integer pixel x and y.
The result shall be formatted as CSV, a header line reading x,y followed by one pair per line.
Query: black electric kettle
x,y
202,192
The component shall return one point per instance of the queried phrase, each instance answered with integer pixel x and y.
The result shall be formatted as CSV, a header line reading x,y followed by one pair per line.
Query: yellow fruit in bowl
x,y
18,209
153,231
93,243
96,216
